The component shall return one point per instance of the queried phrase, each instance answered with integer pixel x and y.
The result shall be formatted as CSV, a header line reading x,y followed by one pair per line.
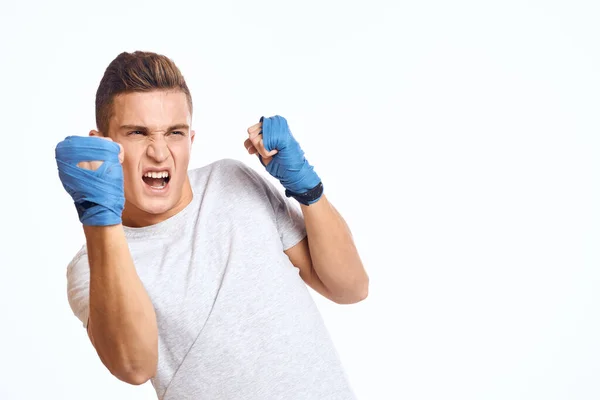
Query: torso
x,y
235,319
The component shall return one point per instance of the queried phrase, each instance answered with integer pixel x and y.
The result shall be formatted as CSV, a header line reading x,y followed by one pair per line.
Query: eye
x,y
136,133
177,133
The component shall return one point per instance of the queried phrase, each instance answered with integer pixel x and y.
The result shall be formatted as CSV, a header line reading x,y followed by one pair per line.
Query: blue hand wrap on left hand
x,y
289,165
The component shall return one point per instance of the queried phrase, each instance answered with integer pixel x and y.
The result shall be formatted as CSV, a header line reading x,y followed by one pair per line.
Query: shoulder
x,y
228,166
78,285
78,259
78,267
228,173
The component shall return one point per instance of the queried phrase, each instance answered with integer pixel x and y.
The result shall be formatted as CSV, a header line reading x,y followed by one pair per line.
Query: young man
x,y
197,279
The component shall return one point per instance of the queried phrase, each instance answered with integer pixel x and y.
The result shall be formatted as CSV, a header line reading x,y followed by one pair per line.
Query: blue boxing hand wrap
x,y
98,195
289,165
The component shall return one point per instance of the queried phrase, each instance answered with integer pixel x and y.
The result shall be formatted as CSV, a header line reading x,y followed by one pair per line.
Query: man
x,y
197,279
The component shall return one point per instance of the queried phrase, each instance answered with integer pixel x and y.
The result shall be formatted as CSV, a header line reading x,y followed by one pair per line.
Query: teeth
x,y
161,174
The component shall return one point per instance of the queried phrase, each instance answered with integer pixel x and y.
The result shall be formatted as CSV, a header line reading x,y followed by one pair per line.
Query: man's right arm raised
x,y
107,295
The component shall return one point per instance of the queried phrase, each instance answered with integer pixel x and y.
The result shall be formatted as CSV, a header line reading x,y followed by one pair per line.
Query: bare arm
x,y
328,259
122,322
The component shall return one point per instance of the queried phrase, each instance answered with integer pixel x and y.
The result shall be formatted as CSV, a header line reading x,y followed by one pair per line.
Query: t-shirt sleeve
x,y
288,214
290,221
78,285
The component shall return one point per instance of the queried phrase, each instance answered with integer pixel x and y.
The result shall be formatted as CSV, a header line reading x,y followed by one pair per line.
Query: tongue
x,y
156,182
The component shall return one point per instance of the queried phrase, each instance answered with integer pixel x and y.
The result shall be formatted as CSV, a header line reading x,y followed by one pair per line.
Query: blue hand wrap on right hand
x,y
98,195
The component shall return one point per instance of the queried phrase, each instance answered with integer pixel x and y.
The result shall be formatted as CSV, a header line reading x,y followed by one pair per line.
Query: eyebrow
x,y
143,128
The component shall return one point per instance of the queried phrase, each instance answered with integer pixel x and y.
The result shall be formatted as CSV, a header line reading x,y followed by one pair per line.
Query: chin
x,y
156,196
156,206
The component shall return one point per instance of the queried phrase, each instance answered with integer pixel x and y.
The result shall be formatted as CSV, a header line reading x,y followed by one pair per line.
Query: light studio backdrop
x,y
460,141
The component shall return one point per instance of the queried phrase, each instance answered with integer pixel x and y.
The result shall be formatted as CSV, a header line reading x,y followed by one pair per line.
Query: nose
x,y
158,150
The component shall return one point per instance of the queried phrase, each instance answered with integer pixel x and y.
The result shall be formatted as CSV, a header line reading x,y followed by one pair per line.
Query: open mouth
x,y
156,180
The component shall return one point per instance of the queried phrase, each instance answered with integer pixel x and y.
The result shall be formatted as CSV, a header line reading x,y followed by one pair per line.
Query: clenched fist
x,y
90,170
282,156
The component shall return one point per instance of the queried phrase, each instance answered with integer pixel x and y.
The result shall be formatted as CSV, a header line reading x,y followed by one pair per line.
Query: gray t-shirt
x,y
235,320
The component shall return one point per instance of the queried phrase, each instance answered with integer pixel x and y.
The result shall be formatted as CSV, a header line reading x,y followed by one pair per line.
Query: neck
x,y
134,217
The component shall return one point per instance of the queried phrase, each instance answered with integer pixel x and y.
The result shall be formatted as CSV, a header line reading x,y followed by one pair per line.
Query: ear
x,y
96,133
192,135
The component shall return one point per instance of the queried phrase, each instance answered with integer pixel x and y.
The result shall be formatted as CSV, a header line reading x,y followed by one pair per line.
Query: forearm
x,y
122,321
334,256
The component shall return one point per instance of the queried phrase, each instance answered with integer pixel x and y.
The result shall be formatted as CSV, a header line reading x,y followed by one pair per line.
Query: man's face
x,y
154,130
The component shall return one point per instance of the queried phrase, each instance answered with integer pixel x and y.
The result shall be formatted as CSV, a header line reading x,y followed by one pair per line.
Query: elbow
x,y
134,372
137,379
355,294
361,292
364,291
135,375
133,359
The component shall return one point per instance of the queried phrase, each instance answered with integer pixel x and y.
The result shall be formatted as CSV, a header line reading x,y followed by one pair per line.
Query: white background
x,y
460,141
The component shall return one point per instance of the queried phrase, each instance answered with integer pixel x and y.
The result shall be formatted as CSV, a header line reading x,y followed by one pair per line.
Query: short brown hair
x,y
139,71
